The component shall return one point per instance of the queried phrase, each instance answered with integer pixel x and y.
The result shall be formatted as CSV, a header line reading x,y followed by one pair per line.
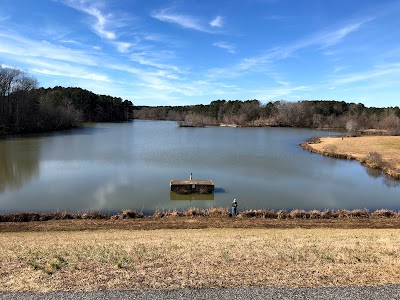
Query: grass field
x,y
169,259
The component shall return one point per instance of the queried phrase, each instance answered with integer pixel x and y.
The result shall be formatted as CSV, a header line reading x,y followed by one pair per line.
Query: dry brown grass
x,y
361,148
126,259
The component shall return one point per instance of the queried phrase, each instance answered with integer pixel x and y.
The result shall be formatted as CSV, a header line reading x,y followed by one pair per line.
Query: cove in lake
x,y
110,167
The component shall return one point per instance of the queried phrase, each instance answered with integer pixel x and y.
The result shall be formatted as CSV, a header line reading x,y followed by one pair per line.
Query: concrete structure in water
x,y
192,186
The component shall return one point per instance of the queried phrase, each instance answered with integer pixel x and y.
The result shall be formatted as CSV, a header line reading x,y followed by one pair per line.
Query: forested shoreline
x,y
26,108
322,114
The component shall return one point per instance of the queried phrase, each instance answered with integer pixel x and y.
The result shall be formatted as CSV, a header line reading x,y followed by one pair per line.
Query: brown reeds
x,y
128,214
315,139
385,213
218,212
214,212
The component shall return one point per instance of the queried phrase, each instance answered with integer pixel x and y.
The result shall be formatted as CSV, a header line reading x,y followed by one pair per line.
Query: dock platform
x,y
192,186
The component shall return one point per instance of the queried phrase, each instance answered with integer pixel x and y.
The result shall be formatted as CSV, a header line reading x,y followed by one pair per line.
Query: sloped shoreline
x,y
387,168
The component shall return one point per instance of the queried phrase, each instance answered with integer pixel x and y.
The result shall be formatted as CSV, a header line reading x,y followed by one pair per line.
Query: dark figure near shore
x,y
234,207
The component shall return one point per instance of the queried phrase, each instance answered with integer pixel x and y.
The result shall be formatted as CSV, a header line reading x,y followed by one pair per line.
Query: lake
x,y
114,166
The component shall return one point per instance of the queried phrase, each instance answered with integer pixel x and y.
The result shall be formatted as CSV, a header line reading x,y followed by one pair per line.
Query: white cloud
x,y
4,18
102,20
82,68
217,22
69,42
321,39
182,20
9,67
123,47
276,93
187,21
337,69
228,47
154,59
331,38
377,72
15,45
65,70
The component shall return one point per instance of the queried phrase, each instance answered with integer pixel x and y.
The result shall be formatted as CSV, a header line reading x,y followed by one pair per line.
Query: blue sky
x,y
189,52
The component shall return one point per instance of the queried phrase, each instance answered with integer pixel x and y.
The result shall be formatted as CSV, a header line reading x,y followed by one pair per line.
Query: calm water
x,y
110,167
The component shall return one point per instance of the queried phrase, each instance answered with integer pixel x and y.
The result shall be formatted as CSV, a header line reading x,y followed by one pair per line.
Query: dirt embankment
x,y
198,222
195,218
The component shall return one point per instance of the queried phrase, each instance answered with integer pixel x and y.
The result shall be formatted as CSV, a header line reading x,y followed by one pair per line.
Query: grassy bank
x,y
214,212
378,152
136,259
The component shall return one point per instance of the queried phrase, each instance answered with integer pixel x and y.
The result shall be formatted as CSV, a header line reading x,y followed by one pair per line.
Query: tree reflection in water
x,y
19,163
387,181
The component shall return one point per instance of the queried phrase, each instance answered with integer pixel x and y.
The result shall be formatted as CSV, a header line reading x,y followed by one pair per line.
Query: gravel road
x,y
354,293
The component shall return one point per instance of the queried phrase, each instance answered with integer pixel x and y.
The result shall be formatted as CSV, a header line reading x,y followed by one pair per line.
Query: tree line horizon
x,y
322,114
27,108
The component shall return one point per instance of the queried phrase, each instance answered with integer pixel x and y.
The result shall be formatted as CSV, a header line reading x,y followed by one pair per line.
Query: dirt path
x,y
151,223
391,292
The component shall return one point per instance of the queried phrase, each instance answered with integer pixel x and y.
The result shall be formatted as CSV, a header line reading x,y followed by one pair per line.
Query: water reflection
x,y
391,183
19,163
111,167
388,182
190,197
374,173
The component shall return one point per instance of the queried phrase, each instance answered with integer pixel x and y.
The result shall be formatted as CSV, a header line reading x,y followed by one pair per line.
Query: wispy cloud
x,y
320,40
217,22
278,93
187,21
102,20
337,69
16,45
4,18
123,47
65,70
377,72
331,38
89,68
226,46
154,59
70,42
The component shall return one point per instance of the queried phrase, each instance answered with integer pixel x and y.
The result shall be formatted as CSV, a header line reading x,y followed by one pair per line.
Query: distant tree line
x,y
25,108
307,113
